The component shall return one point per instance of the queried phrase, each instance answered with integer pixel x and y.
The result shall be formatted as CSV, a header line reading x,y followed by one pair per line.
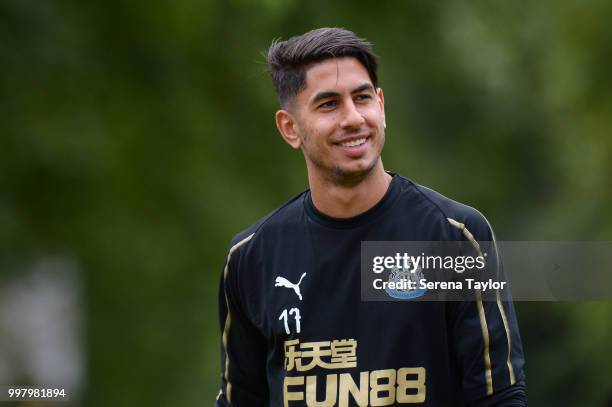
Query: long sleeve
x,y
512,396
486,334
243,348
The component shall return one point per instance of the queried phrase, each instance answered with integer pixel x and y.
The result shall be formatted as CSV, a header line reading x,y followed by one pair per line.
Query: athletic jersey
x,y
295,331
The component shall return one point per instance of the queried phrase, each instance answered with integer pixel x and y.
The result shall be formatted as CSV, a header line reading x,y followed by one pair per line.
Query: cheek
x,y
373,116
319,132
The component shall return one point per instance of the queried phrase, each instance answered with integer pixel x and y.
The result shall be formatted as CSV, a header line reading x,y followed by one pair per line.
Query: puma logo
x,y
283,282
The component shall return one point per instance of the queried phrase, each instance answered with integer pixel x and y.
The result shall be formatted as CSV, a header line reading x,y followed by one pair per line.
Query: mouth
x,y
354,147
354,143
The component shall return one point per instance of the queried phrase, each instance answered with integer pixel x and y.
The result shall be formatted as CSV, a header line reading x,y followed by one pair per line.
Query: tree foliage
x,y
138,138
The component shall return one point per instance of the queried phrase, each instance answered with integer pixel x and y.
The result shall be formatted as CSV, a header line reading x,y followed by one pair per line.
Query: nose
x,y
352,117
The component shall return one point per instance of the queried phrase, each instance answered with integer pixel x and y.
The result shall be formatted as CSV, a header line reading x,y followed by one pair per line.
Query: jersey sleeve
x,y
243,347
485,333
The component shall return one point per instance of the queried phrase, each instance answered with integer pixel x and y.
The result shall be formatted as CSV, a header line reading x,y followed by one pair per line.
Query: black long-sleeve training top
x,y
295,331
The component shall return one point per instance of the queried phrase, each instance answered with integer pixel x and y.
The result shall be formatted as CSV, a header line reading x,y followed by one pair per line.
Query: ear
x,y
381,102
287,126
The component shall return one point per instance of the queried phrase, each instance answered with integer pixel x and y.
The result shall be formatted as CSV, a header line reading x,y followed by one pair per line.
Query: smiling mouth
x,y
354,143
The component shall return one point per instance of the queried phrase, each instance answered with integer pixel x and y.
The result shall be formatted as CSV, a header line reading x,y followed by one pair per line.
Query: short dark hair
x,y
288,60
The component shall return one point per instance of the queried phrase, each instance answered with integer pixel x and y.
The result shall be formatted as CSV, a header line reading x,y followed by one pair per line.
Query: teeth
x,y
353,143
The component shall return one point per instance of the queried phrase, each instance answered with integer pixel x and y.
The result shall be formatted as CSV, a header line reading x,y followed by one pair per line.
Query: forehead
x,y
336,74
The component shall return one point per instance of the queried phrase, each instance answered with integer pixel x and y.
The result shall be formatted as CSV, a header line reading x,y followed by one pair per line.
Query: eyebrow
x,y
329,94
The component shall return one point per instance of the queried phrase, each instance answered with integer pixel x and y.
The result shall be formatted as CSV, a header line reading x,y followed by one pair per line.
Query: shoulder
x,y
454,214
274,225
250,249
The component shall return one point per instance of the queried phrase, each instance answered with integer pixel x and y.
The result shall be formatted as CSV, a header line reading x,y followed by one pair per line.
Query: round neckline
x,y
357,220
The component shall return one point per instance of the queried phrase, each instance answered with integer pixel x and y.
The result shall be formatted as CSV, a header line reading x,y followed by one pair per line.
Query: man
x,y
294,328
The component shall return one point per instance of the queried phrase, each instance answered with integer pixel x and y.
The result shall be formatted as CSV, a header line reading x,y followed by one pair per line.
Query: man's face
x,y
340,121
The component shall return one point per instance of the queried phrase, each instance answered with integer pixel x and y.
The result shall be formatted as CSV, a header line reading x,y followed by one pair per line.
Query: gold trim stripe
x,y
481,311
228,318
505,319
469,236
485,338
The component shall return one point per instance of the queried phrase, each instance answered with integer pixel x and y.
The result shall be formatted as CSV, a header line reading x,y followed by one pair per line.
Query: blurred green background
x,y
137,138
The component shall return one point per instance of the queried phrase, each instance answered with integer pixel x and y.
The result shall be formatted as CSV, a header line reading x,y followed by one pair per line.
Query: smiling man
x,y
338,121
294,329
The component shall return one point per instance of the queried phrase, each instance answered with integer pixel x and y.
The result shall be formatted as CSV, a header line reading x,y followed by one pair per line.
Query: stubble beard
x,y
339,176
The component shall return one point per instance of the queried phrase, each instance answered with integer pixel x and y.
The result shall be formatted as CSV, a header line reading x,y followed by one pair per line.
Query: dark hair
x,y
288,60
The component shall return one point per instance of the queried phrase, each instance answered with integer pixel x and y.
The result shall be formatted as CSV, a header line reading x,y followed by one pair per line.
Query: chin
x,y
354,174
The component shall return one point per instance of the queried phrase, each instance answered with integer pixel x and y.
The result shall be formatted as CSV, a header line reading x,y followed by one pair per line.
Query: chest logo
x,y
283,282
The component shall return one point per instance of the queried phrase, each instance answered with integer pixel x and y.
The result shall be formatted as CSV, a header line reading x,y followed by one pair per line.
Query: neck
x,y
345,201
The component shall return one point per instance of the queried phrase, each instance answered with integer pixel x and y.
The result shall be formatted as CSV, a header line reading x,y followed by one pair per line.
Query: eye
x,y
327,105
363,97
